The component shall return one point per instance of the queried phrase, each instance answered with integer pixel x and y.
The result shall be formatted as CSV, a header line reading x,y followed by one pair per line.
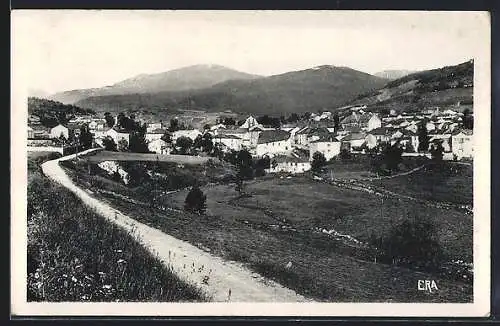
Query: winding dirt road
x,y
222,280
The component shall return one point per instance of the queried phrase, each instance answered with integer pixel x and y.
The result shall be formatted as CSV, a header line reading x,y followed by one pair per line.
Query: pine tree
x,y
423,138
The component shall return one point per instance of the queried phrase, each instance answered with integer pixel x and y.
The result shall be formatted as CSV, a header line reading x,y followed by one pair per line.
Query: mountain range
x,y
188,78
215,88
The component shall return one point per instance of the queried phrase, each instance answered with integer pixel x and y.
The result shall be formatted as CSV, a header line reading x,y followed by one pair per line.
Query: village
x,y
291,145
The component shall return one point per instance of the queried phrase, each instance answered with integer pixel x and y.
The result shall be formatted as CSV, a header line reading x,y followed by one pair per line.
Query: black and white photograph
x,y
250,163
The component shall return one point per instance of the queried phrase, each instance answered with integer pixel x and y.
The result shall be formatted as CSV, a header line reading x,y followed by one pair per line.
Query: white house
x,y
117,135
301,136
367,121
159,146
355,140
229,141
444,138
328,146
191,133
250,122
288,164
93,125
430,126
215,129
412,137
59,130
273,142
413,126
241,133
376,136
31,133
462,143
154,126
372,122
253,135
154,134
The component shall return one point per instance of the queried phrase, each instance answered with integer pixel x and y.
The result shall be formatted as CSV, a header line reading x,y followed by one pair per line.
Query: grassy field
x,y
451,183
76,255
306,204
359,167
126,156
280,224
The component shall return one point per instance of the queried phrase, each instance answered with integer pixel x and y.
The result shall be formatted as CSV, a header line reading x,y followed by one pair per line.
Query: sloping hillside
x,y
192,77
393,74
52,112
323,87
447,86
39,106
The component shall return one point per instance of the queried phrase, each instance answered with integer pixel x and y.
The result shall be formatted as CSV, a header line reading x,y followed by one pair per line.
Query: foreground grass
x,y
76,255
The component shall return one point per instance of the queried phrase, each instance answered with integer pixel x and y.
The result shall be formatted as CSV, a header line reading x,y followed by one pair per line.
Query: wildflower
x,y
73,279
101,273
119,261
37,275
106,286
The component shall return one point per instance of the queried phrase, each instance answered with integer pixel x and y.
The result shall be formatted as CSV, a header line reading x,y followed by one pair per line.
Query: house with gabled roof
x,y
377,136
159,146
328,145
273,142
289,164
189,133
366,121
118,134
250,122
151,126
59,131
355,140
301,135
229,142
444,136
154,134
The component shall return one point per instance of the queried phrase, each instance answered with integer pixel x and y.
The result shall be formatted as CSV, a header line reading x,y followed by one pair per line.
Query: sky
x,y
57,50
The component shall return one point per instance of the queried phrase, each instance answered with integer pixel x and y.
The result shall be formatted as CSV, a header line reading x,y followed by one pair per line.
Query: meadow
x,y
284,231
302,203
449,182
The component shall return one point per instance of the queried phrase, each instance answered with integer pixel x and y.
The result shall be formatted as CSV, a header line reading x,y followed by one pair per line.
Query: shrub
x,y
109,144
412,242
345,154
195,201
318,161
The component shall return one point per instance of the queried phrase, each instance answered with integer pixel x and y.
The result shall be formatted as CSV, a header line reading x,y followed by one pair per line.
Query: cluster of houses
x,y
292,146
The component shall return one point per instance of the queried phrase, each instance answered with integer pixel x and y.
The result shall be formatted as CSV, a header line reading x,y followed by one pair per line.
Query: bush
x,y
195,201
345,154
318,161
412,242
